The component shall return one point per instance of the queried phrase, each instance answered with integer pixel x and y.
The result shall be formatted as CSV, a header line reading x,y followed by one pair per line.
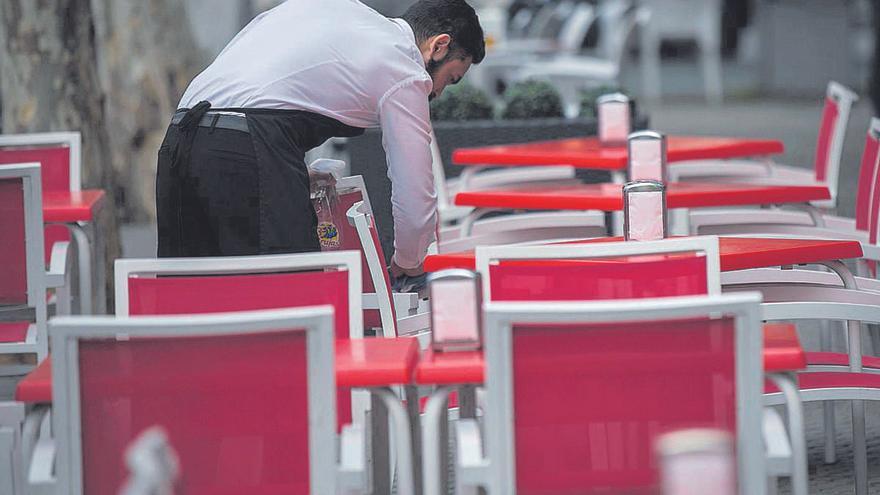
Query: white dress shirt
x,y
341,59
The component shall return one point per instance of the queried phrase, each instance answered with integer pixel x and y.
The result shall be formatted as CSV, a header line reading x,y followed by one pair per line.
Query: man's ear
x,y
439,46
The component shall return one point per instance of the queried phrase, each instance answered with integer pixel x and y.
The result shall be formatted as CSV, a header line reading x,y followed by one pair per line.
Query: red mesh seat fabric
x,y
223,293
622,278
13,248
235,409
589,401
55,171
830,112
11,333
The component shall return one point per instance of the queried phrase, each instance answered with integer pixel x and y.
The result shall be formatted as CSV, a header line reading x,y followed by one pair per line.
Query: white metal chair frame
x,y
316,322
496,468
856,314
406,304
78,231
39,280
411,323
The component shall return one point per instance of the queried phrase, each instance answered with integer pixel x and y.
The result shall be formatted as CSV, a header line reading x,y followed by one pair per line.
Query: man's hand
x,y
320,178
397,272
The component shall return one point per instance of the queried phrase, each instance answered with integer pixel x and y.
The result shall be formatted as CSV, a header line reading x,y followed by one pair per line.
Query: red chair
x,y
178,286
826,166
115,377
631,270
24,280
388,304
358,231
782,222
577,392
60,157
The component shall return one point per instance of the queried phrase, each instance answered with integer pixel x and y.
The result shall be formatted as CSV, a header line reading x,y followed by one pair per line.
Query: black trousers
x,y
225,192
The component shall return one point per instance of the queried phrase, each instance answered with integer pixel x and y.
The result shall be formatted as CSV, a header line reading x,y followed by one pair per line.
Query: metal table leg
x,y
412,409
436,443
787,384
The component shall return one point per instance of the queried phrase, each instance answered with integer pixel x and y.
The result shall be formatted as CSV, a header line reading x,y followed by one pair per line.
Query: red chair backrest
x,y
260,446
826,134
867,172
54,163
613,388
589,401
13,246
622,278
178,295
351,241
55,169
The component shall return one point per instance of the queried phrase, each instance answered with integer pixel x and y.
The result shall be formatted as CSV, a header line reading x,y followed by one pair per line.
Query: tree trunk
x,y
146,57
111,69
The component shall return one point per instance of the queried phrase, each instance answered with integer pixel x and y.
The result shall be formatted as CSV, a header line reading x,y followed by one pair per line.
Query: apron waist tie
x,y
188,125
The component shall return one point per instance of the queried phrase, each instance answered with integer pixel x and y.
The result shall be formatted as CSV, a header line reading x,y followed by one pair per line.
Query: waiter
x,y
232,179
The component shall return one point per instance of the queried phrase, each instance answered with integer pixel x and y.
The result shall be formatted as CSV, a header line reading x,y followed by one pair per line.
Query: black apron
x,y
233,185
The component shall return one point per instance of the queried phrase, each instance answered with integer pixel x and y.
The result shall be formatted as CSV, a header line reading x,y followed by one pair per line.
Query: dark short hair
x,y
453,17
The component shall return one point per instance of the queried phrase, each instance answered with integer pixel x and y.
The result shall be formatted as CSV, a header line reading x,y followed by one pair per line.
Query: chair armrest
x,y
41,472
59,265
410,325
472,468
404,302
352,460
778,452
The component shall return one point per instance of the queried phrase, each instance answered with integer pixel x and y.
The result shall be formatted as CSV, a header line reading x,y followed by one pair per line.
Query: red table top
x,y
609,197
375,362
448,368
361,363
69,207
589,153
736,253
782,352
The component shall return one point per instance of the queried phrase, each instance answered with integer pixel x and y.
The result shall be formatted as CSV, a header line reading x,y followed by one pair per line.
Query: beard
x,y
432,66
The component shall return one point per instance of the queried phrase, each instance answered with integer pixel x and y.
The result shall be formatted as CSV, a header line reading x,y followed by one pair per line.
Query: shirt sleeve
x,y
406,136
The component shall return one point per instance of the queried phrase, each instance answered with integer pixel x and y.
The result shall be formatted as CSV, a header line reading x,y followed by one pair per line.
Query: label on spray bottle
x,y
324,202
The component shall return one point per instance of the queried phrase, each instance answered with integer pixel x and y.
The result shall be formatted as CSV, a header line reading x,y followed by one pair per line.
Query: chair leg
x,y
860,447
787,384
84,268
828,420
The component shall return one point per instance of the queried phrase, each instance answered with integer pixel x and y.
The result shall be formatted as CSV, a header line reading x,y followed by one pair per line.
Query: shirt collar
x,y
405,27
